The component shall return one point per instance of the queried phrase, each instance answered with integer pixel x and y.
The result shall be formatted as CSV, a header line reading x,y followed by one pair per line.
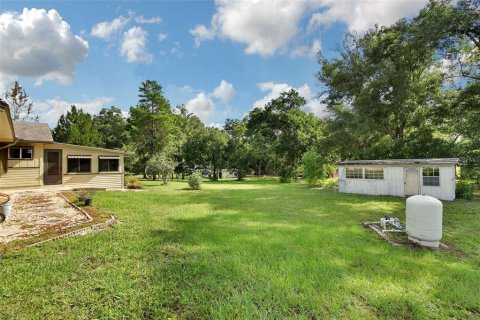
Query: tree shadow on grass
x,y
289,254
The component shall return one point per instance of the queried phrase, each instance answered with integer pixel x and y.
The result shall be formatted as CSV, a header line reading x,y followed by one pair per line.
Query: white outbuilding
x,y
399,177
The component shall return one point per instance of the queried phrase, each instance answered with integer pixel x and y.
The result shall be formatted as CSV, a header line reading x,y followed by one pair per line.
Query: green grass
x,y
251,250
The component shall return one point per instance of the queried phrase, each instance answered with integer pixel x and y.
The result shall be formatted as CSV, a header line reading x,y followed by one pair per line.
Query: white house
x,y
399,177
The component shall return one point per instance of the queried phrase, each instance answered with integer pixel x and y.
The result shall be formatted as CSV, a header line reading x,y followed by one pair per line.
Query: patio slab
x,y
35,213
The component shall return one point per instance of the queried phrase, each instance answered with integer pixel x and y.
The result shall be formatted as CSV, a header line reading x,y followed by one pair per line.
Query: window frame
x,y
79,166
354,168
375,176
434,176
21,153
108,159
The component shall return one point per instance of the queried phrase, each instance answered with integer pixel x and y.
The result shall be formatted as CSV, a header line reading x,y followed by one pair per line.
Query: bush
x,y
133,183
464,190
195,180
331,183
312,167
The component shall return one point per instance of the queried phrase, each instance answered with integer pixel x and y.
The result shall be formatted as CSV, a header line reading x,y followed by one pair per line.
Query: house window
x,y
79,164
374,173
23,153
354,173
431,177
108,164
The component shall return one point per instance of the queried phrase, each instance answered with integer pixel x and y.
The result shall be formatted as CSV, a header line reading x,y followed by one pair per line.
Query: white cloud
x,y
133,46
304,50
202,106
162,36
360,15
264,26
201,33
153,20
215,125
225,92
267,27
105,30
275,89
40,45
50,110
315,48
175,50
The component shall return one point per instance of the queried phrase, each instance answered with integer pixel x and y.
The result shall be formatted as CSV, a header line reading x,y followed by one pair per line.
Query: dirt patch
x,y
34,214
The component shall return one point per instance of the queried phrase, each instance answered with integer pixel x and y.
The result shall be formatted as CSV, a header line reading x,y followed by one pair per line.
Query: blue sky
x,y
219,58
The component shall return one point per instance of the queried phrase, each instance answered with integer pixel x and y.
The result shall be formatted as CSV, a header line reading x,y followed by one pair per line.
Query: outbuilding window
x,y
431,177
20,153
108,164
374,173
354,173
79,164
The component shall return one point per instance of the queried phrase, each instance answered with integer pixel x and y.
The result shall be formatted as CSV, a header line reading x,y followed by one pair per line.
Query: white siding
x,y
21,177
393,182
446,190
99,180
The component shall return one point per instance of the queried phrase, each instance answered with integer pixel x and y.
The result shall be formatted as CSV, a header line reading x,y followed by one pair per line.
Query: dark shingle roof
x,y
404,161
32,131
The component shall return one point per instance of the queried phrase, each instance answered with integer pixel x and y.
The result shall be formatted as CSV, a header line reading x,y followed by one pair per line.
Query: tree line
x,y
409,90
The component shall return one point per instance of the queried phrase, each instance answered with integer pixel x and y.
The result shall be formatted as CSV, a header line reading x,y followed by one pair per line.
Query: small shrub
x,y
464,190
133,183
330,184
85,194
195,180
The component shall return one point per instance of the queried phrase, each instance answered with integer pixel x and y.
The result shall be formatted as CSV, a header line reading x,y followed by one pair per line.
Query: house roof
x,y
32,131
125,153
403,161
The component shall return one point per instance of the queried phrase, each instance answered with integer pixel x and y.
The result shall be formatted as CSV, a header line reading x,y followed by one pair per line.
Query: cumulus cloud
x,y
105,30
266,27
50,110
263,26
360,15
202,106
201,33
225,92
275,89
133,46
153,20
39,44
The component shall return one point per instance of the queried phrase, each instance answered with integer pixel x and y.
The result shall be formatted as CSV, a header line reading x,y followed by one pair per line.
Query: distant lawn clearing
x,y
251,250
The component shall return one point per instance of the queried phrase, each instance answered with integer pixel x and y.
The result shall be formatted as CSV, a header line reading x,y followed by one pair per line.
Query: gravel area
x,y
35,213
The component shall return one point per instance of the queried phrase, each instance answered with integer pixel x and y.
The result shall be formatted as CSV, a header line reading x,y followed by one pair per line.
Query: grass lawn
x,y
251,250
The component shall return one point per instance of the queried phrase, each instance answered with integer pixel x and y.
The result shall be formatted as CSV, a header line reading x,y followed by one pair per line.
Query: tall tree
x,y
112,125
288,130
76,127
238,153
21,107
207,149
150,122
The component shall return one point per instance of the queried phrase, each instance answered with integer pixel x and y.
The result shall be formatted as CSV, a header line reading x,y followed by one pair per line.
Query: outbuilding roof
x,y
403,161
32,131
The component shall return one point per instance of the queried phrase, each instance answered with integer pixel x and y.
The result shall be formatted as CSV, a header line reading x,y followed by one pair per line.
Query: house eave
x,y
124,153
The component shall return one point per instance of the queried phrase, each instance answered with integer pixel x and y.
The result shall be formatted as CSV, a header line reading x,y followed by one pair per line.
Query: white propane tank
x,y
424,220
